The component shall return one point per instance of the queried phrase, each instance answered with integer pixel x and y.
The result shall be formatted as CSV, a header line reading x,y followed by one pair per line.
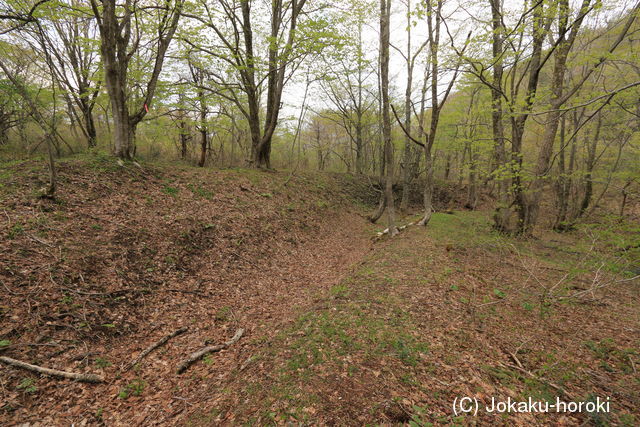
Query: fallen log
x,y
381,234
87,378
209,349
154,346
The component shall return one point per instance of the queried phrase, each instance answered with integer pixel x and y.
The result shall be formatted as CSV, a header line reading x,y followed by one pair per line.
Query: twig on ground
x,y
36,239
82,356
209,349
33,344
185,400
532,375
184,291
246,363
154,346
598,284
88,378
10,291
515,359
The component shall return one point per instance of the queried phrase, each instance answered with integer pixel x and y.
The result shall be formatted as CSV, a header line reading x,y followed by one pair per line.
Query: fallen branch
x,y
88,378
154,346
209,349
380,234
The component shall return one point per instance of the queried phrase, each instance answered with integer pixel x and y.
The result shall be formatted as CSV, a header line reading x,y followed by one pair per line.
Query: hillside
x,y
338,328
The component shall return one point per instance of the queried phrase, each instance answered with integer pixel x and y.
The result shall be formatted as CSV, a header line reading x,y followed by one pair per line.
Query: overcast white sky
x,y
294,93
463,16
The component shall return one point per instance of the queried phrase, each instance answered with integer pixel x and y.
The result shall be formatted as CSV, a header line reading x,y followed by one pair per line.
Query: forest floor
x,y
339,329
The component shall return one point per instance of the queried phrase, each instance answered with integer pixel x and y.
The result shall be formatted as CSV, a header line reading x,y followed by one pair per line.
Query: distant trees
x,y
12,110
346,80
536,109
67,44
250,63
536,46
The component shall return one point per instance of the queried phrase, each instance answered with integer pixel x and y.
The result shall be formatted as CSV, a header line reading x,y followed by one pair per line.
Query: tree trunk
x,y
115,73
184,138
117,23
502,214
436,107
385,11
551,124
406,158
262,153
90,126
623,202
563,184
203,147
359,144
447,167
382,204
472,195
539,30
428,187
589,166
122,130
204,131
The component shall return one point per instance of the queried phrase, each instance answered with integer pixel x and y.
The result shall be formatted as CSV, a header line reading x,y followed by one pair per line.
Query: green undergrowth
x,y
357,322
363,323
611,243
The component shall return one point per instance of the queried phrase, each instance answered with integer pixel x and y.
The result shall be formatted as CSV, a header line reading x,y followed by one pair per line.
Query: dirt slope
x,y
125,256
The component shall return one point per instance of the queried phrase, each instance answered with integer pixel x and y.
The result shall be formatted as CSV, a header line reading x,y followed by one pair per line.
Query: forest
x,y
319,212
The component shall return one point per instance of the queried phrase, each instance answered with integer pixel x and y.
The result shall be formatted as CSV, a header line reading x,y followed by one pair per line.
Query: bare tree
x,y
233,24
345,86
66,46
434,25
409,160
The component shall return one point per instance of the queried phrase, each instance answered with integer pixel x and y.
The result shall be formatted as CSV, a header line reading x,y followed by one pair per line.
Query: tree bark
x,y
385,12
589,166
408,144
563,184
204,131
502,212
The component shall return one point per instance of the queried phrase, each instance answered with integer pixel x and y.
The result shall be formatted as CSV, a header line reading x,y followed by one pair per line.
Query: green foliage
x,y
102,362
27,385
134,388
500,294
200,191
172,191
223,314
15,231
